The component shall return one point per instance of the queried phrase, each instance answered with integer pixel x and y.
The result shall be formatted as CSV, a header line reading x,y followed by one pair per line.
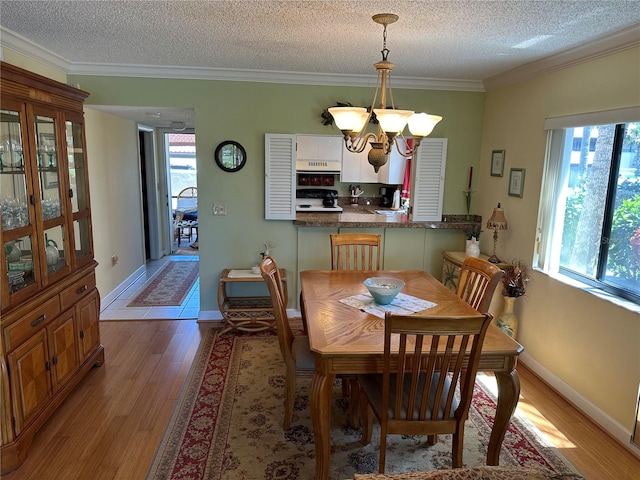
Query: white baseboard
x,y
608,424
113,294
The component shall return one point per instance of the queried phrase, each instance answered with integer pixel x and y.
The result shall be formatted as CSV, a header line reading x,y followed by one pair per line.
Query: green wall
x,y
244,112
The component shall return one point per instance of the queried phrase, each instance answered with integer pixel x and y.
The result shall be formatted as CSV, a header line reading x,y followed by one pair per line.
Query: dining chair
x,y
187,203
477,282
294,348
355,251
416,393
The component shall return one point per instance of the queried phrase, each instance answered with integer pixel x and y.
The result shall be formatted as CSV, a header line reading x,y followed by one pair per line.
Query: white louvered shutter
x,y
279,177
428,187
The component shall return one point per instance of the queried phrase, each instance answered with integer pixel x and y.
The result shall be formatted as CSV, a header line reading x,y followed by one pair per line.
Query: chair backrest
x,y
435,355
355,251
477,282
187,199
272,278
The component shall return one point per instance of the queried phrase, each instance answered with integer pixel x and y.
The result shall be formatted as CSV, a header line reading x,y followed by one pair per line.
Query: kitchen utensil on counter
x,y
330,199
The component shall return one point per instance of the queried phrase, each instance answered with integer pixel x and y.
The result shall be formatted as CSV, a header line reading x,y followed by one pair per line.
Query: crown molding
x,y
270,76
13,41
616,42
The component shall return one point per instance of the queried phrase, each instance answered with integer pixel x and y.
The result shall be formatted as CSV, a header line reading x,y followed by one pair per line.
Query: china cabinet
x,y
49,302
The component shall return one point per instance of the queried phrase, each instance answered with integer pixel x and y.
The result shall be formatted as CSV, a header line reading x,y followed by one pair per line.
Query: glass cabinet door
x,y
50,182
16,206
78,178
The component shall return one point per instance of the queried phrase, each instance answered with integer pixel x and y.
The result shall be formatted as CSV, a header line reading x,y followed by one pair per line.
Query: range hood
x,y
319,166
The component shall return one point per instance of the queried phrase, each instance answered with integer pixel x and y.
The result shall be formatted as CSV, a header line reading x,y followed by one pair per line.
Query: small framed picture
x,y
516,182
497,163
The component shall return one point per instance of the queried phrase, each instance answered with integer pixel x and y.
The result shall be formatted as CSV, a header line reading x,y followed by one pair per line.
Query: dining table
x,y
346,336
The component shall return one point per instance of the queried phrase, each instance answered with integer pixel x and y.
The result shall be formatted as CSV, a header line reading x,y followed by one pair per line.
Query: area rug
x,y
169,286
228,425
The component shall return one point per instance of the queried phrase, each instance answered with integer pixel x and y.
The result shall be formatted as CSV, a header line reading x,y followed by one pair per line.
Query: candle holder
x,y
467,194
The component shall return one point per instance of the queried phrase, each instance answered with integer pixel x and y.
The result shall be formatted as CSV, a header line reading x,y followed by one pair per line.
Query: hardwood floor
x,y
110,426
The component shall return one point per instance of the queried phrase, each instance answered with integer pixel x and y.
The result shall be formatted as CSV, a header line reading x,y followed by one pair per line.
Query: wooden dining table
x,y
348,340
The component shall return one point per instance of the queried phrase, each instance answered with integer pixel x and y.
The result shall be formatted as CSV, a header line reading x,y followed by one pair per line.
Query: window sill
x,y
609,297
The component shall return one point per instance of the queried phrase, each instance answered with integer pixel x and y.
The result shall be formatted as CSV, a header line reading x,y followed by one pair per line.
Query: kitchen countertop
x,y
364,216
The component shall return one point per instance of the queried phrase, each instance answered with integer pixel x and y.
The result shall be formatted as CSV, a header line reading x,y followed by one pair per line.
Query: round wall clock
x,y
230,156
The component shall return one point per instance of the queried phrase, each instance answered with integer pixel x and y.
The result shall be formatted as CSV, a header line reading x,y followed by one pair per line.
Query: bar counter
x,y
364,216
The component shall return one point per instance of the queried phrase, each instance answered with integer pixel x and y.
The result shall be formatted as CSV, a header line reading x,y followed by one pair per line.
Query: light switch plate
x,y
219,208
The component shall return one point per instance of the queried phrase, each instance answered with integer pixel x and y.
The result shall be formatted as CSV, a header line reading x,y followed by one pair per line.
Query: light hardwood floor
x,y
111,425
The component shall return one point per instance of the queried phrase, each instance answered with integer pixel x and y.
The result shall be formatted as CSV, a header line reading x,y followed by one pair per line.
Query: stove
x,y
310,200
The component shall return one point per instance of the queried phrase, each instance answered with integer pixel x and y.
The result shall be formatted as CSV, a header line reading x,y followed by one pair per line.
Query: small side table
x,y
451,263
248,314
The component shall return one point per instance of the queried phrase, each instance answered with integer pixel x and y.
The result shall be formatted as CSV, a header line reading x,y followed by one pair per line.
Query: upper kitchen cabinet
x,y
319,153
392,172
49,302
356,167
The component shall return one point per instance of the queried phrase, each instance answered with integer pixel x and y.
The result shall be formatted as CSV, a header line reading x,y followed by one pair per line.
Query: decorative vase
x,y
507,320
473,250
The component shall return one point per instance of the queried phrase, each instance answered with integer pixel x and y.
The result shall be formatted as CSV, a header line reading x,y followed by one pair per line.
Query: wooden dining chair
x,y
355,251
477,282
294,349
416,393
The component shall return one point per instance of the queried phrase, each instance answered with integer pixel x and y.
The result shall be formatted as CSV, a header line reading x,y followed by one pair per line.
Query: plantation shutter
x,y
279,176
428,185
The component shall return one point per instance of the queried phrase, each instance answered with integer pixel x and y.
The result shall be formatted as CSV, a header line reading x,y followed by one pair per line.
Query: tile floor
x,y
118,310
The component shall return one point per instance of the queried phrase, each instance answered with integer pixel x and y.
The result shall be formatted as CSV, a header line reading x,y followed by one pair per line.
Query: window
x,y
589,221
181,152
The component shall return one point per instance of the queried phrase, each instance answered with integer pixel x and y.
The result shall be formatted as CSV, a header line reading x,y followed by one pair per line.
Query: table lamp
x,y
496,222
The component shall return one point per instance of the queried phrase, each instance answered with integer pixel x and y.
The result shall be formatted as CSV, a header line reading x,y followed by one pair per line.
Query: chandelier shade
x,y
353,121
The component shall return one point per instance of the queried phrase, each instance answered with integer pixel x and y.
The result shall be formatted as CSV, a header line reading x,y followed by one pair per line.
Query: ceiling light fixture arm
x,y
353,121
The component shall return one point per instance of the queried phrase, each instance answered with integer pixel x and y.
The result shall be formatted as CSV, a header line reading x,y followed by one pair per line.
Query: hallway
x,y
118,310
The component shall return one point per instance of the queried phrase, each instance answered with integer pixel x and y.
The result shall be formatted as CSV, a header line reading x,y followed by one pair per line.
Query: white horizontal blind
x,y
606,117
279,176
428,186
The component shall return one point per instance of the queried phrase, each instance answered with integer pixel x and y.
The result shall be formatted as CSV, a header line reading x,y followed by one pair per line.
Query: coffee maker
x,y
386,196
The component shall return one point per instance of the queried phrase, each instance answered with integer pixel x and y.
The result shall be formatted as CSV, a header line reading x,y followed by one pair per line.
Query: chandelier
x,y
353,121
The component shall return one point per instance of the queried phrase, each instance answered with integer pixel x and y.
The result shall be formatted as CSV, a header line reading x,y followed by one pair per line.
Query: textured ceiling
x,y
470,40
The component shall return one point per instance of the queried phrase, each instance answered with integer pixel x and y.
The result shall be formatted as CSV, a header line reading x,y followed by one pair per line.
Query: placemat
x,y
403,304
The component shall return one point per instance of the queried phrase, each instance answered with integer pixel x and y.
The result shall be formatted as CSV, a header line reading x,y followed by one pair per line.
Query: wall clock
x,y
230,156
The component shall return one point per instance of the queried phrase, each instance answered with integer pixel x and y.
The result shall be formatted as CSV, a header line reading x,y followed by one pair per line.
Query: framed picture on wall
x,y
516,182
497,163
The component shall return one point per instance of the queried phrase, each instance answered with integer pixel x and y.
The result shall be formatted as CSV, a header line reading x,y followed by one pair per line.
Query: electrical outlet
x,y
220,208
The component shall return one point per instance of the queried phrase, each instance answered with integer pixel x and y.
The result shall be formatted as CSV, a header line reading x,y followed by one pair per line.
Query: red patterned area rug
x,y
228,425
170,285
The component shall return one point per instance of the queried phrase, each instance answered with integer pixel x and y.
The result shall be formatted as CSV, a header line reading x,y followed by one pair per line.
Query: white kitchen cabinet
x,y
319,147
392,172
356,167
279,176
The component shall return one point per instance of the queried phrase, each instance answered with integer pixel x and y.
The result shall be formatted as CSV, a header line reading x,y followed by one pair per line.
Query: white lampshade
x,y
391,120
422,124
349,118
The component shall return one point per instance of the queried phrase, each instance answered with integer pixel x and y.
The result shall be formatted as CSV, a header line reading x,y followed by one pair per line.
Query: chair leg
x,y
366,419
345,387
457,446
383,449
354,403
290,396
432,440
